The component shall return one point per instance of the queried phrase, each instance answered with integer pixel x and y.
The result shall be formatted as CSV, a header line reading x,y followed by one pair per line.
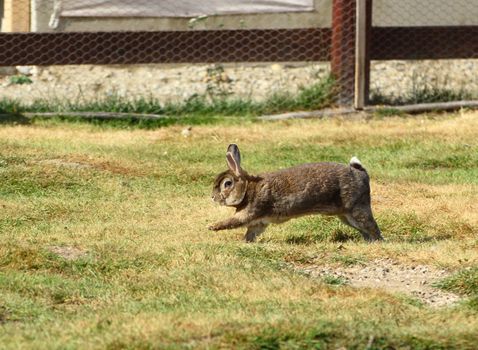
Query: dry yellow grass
x,y
136,204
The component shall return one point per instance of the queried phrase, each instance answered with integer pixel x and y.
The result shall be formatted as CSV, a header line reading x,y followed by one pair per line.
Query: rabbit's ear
x,y
233,158
234,150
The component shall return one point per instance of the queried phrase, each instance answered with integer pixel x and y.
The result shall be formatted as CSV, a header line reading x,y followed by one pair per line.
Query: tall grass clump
x,y
422,90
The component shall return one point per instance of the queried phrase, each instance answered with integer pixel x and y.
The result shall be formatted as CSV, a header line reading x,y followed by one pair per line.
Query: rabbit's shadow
x,y
337,236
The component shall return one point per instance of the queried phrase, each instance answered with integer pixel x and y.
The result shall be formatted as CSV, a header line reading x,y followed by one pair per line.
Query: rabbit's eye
x,y
227,183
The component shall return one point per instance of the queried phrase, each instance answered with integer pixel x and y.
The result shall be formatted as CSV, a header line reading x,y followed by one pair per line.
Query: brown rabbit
x,y
324,188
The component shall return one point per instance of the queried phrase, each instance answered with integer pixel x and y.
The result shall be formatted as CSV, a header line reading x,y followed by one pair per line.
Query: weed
x,y
347,260
218,83
334,280
20,80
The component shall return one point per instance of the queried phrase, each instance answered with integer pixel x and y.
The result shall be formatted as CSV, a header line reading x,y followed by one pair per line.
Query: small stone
x,y
25,70
276,67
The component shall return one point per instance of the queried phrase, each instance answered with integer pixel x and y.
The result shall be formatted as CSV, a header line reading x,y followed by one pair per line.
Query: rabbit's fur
x,y
324,188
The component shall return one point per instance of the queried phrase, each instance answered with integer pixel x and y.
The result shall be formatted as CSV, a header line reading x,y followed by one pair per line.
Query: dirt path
x,y
415,280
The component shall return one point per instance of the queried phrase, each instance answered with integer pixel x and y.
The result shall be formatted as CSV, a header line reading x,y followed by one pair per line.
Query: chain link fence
x,y
427,51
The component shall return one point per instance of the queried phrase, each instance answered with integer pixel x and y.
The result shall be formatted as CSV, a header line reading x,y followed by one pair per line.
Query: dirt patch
x,y
67,253
389,275
79,163
63,163
117,169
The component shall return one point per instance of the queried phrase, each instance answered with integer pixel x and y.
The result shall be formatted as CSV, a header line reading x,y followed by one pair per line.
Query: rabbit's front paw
x,y
214,227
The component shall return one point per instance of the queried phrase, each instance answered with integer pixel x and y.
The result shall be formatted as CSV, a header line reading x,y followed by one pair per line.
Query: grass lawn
x,y
104,241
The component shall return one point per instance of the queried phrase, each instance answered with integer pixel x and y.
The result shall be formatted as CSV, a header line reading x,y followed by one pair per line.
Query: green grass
x,y
134,204
198,109
20,80
419,94
334,280
464,282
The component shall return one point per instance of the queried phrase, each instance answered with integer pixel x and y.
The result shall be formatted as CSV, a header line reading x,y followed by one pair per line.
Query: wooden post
x,y
362,53
344,14
16,16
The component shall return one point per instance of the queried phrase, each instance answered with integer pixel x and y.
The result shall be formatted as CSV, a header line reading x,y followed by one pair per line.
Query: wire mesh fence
x,y
285,52
425,51
267,51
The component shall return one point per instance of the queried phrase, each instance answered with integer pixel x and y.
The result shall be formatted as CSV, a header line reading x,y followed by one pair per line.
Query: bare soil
x,y
415,280
67,253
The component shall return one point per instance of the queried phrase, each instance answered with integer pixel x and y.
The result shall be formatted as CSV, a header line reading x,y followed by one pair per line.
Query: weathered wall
x,y
173,82
386,13
321,17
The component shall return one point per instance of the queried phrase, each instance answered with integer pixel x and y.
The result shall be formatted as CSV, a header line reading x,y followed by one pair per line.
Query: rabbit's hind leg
x,y
347,219
362,219
254,231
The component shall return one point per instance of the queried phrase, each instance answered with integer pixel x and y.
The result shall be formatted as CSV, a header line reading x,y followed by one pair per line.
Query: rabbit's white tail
x,y
355,163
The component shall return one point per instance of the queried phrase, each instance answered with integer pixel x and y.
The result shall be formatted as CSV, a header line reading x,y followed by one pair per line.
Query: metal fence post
x,y
344,14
